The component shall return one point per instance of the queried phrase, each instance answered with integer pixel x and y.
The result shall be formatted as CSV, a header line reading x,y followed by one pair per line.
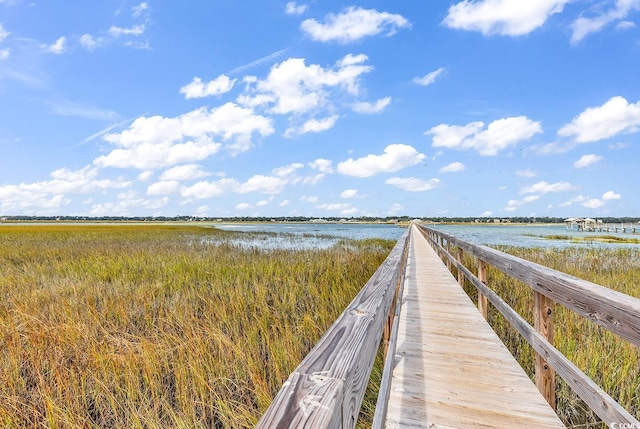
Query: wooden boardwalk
x,y
451,369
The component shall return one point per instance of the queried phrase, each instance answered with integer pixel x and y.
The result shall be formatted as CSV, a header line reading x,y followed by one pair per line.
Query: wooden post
x,y
449,252
482,299
543,323
460,273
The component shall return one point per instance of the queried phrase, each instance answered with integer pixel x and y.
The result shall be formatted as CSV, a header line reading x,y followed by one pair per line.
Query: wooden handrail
x,y
617,312
327,388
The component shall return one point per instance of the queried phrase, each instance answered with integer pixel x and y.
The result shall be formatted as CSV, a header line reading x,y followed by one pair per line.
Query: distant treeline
x,y
391,219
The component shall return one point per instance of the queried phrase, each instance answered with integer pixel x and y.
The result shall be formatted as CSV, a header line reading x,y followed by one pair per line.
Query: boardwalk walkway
x,y
452,370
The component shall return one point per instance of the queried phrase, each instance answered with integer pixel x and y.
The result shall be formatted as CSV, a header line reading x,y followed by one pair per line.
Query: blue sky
x,y
472,108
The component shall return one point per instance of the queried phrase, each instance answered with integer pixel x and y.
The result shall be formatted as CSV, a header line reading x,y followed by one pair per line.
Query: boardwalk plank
x,y
452,370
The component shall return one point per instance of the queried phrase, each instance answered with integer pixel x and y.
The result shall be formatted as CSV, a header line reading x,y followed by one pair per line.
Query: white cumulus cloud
x,y
587,160
395,158
156,142
313,126
294,87
198,89
322,165
349,193
353,24
413,184
499,135
184,172
503,17
452,168
615,116
59,47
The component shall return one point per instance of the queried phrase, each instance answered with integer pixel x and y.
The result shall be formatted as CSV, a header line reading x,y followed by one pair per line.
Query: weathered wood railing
x,y
327,388
617,312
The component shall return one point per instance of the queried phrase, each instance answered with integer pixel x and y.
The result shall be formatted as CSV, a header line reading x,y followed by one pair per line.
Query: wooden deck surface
x,y
452,370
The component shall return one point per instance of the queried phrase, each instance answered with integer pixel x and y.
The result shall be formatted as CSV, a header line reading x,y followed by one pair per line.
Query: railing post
x,y
482,299
460,273
543,323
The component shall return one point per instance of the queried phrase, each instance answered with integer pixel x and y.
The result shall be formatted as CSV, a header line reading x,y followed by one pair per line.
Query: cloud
x,y
623,25
156,142
59,47
89,42
205,189
345,209
50,195
395,209
293,8
413,184
610,195
164,187
313,126
429,78
594,203
271,185
452,168
526,173
353,24
615,116
3,33
4,53
513,205
197,89
544,188
136,30
503,17
184,172
128,203
349,193
366,108
309,199
322,165
498,135
139,9
587,160
582,26
244,206
395,158
292,87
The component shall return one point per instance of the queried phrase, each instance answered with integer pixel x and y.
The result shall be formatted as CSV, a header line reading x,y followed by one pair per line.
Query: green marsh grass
x,y
160,326
613,363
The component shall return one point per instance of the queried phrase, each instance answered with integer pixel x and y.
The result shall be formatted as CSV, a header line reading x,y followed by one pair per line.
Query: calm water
x,y
326,234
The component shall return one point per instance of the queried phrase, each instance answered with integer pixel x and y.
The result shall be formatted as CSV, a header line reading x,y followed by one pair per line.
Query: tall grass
x,y
137,326
613,363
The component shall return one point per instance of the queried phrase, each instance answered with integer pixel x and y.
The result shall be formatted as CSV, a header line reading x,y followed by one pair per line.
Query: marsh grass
x,y
589,238
613,363
137,326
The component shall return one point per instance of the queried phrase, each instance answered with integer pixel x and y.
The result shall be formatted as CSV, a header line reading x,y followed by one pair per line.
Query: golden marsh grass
x,y
160,326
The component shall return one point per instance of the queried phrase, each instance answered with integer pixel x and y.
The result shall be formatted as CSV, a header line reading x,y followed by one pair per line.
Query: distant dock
x,y
593,225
